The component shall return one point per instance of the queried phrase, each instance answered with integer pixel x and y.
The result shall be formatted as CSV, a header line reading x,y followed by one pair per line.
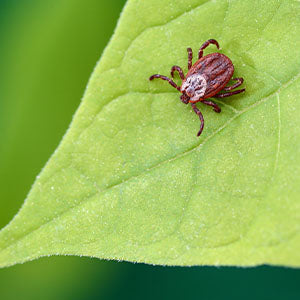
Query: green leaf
x,y
131,181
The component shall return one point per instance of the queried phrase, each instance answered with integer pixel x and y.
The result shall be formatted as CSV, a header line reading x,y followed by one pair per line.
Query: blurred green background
x,y
48,50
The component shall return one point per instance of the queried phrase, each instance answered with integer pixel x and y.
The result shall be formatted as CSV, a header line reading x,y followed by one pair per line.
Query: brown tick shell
x,y
217,69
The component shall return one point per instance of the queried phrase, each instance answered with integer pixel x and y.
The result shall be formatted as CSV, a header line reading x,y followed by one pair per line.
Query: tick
x,y
205,79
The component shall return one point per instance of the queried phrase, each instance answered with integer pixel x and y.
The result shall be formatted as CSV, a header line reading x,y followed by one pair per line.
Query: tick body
x,y
205,79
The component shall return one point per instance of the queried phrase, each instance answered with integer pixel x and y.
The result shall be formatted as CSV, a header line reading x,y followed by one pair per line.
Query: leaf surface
x,y
131,181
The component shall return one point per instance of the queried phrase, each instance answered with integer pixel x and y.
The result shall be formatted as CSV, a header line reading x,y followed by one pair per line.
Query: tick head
x,y
185,98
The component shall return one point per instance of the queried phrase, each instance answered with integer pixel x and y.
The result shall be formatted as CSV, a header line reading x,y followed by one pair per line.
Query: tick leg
x,y
214,105
190,57
223,95
198,112
173,84
205,44
239,80
179,70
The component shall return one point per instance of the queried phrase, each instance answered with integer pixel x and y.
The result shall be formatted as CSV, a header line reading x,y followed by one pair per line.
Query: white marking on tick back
x,y
195,86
